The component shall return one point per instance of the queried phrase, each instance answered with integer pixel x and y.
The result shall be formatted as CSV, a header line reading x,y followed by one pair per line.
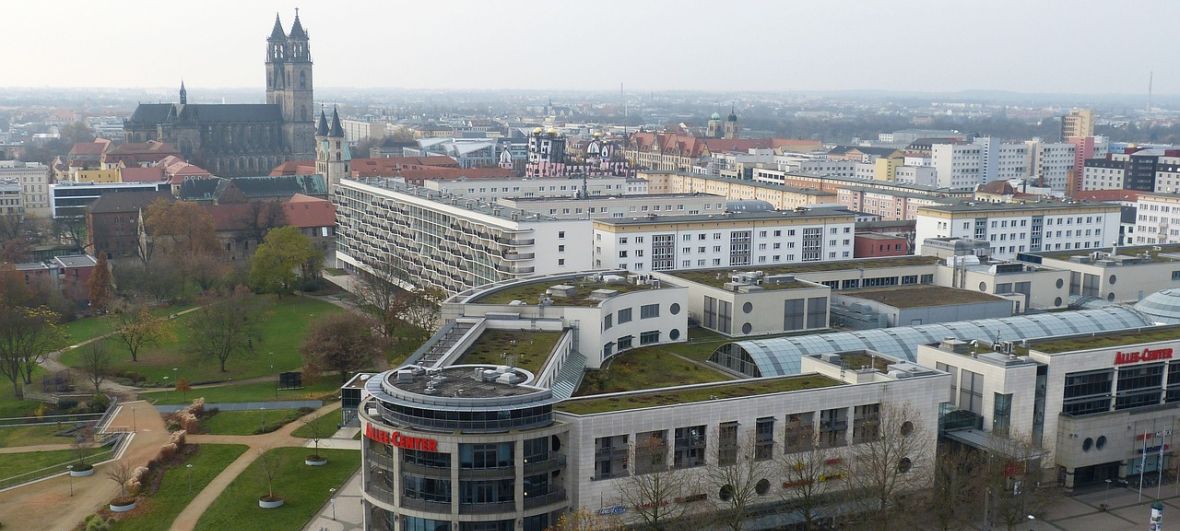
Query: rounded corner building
x,y
472,444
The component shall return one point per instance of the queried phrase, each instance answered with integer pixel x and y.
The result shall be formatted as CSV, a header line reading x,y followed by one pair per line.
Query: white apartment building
x,y
1157,219
1011,228
11,203
919,175
958,165
450,242
492,189
1001,160
1051,162
1099,176
732,239
619,206
468,152
829,168
34,183
357,130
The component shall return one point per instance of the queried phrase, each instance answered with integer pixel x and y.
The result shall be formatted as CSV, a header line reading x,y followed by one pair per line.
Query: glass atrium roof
x,y
780,356
1162,306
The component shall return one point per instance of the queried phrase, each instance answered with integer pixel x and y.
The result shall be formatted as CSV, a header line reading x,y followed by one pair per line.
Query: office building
x,y
1012,228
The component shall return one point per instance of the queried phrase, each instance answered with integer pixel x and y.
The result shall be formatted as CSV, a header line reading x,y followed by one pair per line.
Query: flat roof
x,y
1107,339
983,206
701,393
732,216
530,292
457,382
458,201
1132,252
527,349
920,296
616,196
709,276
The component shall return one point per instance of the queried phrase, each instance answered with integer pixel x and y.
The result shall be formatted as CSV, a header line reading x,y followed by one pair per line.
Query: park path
x,y
35,448
187,519
48,504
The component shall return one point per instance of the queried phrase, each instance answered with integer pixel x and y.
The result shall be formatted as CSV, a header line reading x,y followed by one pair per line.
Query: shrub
x,y
96,522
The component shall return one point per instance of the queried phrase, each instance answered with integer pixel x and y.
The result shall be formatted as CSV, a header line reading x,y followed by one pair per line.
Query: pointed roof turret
x,y
297,31
732,115
277,34
183,93
337,130
322,128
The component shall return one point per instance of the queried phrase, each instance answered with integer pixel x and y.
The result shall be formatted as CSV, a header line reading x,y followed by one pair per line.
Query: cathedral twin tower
x,y
289,82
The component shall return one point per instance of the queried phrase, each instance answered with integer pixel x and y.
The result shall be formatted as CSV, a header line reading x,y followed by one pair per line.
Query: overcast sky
x,y
1078,46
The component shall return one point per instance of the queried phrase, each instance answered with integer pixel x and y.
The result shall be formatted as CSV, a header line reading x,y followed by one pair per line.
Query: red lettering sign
x,y
401,441
1147,354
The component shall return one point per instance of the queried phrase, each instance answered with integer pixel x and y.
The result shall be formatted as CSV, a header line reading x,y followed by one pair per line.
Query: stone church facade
x,y
232,140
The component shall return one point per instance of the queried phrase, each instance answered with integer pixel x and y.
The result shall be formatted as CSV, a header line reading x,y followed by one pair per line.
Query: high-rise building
x,y
1078,123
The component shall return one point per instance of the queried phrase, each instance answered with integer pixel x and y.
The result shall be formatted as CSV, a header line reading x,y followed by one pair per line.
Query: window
x,y
1139,385
489,455
690,447
608,321
610,457
971,392
817,312
727,443
624,315
833,425
625,343
793,314
648,311
649,337
1001,414
866,423
1087,392
651,452
764,439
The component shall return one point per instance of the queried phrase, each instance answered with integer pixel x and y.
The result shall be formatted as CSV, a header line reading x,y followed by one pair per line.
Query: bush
x,y
96,522
66,404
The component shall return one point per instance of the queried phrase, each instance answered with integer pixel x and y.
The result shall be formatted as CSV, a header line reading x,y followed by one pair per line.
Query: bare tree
x,y
269,463
951,501
226,327
739,477
121,473
653,488
1011,475
138,327
812,478
27,335
96,361
890,457
83,442
316,432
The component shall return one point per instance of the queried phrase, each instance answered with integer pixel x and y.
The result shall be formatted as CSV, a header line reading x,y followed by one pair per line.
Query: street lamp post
x,y
133,428
332,493
1031,520
188,468
1106,498
70,468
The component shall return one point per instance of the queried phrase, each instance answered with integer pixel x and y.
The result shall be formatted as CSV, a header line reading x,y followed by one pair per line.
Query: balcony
x,y
487,508
418,504
555,495
554,462
506,472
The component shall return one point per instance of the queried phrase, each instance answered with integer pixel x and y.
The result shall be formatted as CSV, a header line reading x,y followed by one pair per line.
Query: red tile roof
x,y
94,148
304,211
1106,195
142,175
294,167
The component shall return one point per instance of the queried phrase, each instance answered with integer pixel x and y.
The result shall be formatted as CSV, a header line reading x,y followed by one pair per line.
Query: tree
x,y
584,520
183,387
285,249
83,442
812,478
96,361
881,466
121,473
180,228
262,216
1010,473
70,231
100,284
341,343
387,295
951,501
226,327
653,488
317,432
27,335
138,327
269,464
737,477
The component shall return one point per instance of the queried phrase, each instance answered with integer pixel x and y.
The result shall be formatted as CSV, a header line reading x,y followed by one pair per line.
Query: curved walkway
x,y
49,504
280,438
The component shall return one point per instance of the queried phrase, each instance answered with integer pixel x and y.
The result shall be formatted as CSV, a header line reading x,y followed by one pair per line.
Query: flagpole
x,y
1159,484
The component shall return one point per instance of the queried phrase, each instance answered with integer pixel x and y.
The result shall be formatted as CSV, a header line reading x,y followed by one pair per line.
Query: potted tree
x,y
121,473
315,432
83,442
268,466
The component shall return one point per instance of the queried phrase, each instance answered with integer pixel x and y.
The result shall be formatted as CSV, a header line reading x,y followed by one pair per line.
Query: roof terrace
x,y
526,349
719,276
580,295
919,296
737,389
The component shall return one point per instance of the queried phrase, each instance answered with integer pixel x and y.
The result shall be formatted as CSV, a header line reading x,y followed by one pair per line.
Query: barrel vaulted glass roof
x,y
780,356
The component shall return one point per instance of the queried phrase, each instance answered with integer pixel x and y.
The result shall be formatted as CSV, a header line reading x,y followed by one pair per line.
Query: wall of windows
x,y
1087,392
690,447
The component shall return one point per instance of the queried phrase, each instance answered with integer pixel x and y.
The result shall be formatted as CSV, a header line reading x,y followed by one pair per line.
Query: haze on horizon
x,y
1055,46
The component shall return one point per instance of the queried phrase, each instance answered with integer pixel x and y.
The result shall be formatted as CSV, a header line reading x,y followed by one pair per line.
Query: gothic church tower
x,y
289,84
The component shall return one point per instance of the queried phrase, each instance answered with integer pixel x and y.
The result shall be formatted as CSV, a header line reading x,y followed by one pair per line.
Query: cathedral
x,y
232,140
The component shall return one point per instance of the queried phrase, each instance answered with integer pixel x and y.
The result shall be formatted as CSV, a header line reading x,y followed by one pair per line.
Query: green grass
x,y
647,368
1107,339
80,330
156,512
19,464
248,422
709,277
33,435
322,389
326,424
530,352
284,325
303,488
713,392
531,292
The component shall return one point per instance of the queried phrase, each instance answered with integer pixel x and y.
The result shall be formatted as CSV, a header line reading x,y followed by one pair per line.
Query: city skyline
x,y
905,47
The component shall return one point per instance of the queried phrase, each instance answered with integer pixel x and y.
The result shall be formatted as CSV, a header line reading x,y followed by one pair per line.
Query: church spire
x,y
337,131
183,93
277,34
297,31
322,127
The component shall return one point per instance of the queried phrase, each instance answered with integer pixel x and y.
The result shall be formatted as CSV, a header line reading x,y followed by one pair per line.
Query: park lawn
x,y
284,325
11,407
248,422
157,511
80,330
322,389
32,435
303,488
327,423
19,464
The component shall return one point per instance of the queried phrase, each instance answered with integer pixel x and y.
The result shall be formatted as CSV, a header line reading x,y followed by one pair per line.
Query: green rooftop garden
x,y
740,388
1129,252
859,359
530,293
919,296
528,350
709,276
648,368
1107,339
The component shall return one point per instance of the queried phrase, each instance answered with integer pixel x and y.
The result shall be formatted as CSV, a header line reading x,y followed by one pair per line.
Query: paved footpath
x,y
345,513
49,505
280,438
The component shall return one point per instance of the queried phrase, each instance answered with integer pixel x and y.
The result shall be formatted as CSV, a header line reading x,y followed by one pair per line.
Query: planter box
x,y
270,504
313,461
82,473
121,508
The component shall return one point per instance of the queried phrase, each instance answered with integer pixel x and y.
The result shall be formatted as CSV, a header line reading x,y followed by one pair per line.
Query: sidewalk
x,y
348,512
1126,513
